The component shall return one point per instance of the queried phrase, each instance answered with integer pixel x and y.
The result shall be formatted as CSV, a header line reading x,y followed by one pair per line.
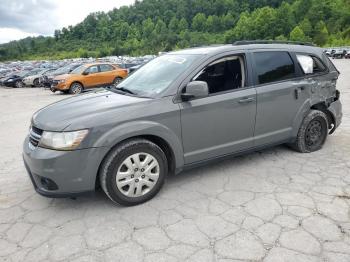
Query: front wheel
x,y
133,172
312,133
75,88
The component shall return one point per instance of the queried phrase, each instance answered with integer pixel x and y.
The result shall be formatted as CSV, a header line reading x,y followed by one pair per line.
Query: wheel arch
x,y
76,81
156,133
304,110
323,108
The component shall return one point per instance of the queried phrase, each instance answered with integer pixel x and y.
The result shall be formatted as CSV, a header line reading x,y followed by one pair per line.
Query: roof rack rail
x,y
251,42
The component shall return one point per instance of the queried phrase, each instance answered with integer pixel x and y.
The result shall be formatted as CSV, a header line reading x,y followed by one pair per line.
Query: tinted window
x,y
273,66
105,68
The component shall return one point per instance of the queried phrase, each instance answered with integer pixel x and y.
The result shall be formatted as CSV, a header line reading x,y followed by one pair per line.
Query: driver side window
x,y
224,74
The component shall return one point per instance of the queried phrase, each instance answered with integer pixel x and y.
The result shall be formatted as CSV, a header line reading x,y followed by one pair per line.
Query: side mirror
x,y
85,73
195,89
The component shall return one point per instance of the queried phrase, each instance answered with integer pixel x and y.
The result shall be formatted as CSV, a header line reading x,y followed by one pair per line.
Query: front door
x,y
223,122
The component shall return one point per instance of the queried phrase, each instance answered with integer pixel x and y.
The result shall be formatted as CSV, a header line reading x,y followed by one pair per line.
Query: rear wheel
x,y
312,133
133,172
19,84
117,80
75,88
36,82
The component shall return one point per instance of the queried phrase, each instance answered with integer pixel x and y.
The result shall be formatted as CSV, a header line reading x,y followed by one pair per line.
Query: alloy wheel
x,y
76,89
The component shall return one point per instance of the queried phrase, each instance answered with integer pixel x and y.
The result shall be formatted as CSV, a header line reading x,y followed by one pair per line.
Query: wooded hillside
x,y
150,26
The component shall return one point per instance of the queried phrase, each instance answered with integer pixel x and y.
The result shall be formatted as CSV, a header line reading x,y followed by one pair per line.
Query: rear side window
x,y
106,68
273,66
310,64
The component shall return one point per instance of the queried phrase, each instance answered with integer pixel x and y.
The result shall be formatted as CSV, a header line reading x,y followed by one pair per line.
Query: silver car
x,y
179,111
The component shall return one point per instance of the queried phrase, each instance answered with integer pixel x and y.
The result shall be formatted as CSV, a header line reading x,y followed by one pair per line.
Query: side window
x,y
224,74
273,66
106,68
310,64
92,69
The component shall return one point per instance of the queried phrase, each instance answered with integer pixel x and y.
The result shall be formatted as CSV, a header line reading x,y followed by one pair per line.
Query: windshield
x,y
22,73
79,70
155,76
34,72
62,70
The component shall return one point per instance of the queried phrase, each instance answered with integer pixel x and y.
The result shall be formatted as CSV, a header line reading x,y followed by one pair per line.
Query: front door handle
x,y
246,100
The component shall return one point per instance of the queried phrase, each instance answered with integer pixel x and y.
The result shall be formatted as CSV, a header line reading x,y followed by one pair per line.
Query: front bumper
x,y
9,84
62,173
59,87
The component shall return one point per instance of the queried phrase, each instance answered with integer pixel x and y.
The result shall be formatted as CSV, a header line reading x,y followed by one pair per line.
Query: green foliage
x,y
151,26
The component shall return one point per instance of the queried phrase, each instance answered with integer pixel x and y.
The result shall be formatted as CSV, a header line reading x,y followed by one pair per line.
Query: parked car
x,y
15,80
47,79
347,55
181,110
88,76
340,53
34,80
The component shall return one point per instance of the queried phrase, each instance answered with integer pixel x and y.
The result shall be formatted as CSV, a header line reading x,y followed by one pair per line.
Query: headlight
x,y
62,140
61,80
10,80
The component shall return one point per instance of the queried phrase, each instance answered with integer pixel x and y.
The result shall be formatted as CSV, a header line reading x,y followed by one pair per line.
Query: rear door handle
x,y
246,100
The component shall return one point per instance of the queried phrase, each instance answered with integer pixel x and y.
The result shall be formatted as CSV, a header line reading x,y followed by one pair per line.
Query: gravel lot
x,y
274,205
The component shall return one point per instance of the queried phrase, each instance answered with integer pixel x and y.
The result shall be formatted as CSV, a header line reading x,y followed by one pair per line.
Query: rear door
x,y
93,77
281,94
107,75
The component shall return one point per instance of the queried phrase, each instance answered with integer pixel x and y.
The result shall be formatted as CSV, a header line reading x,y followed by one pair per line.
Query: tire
x,y
312,133
19,84
137,187
36,82
117,80
76,88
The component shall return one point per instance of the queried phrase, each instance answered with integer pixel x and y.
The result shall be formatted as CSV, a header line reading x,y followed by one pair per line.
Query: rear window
x,y
310,64
273,66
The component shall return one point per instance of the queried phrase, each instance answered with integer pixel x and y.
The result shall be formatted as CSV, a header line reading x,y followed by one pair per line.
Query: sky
x,y
22,18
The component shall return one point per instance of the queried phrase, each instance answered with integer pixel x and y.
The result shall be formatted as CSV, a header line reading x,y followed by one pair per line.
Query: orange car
x,y
88,76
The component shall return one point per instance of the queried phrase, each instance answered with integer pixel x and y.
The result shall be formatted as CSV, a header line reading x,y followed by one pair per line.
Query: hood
x,y
81,110
60,77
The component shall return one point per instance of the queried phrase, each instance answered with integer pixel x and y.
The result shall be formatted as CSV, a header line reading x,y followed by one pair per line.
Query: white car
x,y
34,80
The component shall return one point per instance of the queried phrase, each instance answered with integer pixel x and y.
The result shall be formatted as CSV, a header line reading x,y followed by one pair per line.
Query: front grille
x,y
55,82
35,136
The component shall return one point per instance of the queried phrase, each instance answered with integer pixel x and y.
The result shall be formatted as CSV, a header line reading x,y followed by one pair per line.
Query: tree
x,y
199,22
321,33
174,24
183,25
297,34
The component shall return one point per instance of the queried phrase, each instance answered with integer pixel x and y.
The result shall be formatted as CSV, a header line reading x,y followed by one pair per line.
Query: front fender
x,y
142,128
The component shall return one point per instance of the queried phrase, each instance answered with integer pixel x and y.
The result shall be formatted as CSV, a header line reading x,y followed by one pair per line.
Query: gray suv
x,y
181,110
